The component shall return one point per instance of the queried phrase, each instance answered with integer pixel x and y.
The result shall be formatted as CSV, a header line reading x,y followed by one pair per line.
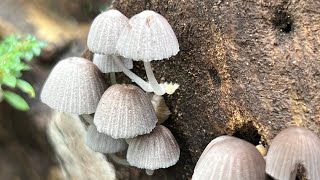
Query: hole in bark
x,y
301,173
249,133
282,21
214,76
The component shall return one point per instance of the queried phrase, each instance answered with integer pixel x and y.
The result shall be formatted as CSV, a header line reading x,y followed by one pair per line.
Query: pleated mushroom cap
x,y
230,158
149,37
156,150
103,143
125,111
106,63
105,31
292,147
74,85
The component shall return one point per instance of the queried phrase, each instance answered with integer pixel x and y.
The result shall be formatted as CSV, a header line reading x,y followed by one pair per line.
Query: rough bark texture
x,y
248,68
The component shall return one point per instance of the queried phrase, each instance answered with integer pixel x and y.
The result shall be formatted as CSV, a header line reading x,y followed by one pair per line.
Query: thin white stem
x,y
149,172
153,81
113,78
119,160
88,118
143,84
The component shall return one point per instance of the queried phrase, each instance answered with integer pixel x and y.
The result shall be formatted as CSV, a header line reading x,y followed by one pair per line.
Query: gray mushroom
x,y
75,85
106,63
103,143
230,158
156,150
125,111
291,148
105,31
149,37
102,39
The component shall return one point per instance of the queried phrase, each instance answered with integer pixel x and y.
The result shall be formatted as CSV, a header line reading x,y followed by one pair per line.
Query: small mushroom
x,y
149,37
102,38
103,143
105,31
125,111
75,85
160,106
291,148
156,150
106,63
230,158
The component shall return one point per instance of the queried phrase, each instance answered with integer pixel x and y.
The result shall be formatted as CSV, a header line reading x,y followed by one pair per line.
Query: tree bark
x,y
246,68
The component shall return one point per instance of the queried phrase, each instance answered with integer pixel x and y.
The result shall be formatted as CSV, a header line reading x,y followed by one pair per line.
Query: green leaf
x,y
16,101
36,50
29,56
26,87
26,67
10,81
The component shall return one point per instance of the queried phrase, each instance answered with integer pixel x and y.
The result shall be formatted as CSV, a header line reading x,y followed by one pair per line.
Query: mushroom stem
x,y
119,160
153,81
113,78
143,84
149,172
88,118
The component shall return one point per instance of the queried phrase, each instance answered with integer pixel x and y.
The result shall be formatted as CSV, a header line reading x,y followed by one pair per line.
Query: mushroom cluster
x,y
147,36
230,158
126,117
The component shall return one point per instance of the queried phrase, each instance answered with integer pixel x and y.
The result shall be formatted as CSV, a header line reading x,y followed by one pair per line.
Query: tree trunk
x,y
246,68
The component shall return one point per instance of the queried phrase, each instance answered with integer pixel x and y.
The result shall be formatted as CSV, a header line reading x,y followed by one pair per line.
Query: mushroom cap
x,y
106,63
292,147
230,158
149,37
74,85
105,31
103,143
125,111
156,150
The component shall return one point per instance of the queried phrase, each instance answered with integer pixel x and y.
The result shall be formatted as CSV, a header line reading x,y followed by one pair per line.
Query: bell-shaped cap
x,y
105,31
156,150
292,147
103,143
230,158
125,111
75,85
149,37
107,64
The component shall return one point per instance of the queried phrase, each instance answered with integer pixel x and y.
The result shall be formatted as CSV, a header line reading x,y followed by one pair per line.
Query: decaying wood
x,y
249,68
67,135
